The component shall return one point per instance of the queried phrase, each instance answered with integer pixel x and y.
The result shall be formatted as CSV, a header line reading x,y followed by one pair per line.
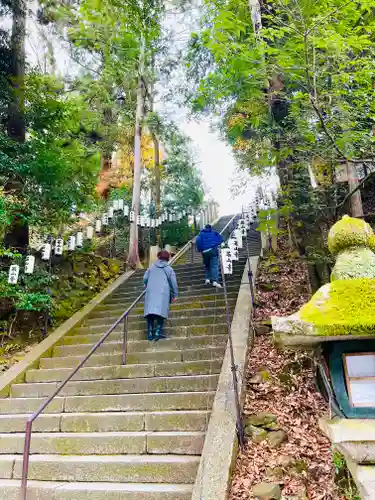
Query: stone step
x,y
189,279
106,443
198,300
205,292
189,383
140,402
144,345
164,356
84,335
139,323
187,314
193,420
44,490
197,289
177,307
115,403
128,371
104,468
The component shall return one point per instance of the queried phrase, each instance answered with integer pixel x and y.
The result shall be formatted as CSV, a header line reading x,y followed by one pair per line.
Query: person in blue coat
x,y
161,290
207,242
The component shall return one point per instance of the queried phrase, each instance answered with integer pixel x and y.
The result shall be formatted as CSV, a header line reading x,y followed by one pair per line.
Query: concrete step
x,y
92,334
44,490
105,468
163,356
106,443
189,383
144,345
128,371
193,420
113,403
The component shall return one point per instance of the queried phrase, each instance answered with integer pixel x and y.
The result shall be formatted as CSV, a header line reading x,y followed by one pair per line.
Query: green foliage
x,y
343,478
299,94
176,234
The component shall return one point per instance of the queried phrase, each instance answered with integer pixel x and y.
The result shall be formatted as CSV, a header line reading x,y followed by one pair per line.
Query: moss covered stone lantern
x,y
338,323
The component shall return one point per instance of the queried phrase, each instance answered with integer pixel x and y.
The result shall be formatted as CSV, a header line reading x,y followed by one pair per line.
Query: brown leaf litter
x,y
303,464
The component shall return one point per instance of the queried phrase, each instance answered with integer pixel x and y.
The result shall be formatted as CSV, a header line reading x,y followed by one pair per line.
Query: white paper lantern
x,y
227,261
138,220
233,246
148,222
79,239
29,264
14,272
105,219
159,221
120,204
46,251
111,212
238,234
71,243
126,211
59,246
143,221
98,225
115,206
170,218
89,232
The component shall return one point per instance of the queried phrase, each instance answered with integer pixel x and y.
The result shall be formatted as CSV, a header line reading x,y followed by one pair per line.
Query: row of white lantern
x,y
235,242
143,221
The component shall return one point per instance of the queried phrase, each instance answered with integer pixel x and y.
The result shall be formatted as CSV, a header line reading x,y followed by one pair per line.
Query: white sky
x,y
217,165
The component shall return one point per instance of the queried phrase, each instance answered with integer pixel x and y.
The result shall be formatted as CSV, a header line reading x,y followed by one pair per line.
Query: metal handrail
x,y
124,317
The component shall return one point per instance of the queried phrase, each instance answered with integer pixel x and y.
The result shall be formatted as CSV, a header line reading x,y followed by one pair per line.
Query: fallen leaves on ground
x,y
289,393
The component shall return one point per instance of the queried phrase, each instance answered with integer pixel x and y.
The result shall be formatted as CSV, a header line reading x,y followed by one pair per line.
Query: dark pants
x,y
211,265
151,318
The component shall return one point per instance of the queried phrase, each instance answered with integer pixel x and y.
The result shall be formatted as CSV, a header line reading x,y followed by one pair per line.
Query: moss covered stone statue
x,y
346,306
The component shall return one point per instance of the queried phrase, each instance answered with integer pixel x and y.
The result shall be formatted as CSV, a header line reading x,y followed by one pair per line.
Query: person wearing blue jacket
x,y
207,242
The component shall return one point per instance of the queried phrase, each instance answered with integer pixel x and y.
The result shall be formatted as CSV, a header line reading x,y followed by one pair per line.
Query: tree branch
x,y
326,17
327,132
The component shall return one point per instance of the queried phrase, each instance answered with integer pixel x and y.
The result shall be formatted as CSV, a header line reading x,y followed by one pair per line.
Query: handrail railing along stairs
x,y
123,318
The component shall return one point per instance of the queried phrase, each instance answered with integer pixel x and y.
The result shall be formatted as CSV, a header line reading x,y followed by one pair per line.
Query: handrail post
x,y
240,428
26,459
125,340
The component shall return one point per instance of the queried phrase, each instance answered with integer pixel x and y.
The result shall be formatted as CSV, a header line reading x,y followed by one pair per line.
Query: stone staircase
x,y
123,432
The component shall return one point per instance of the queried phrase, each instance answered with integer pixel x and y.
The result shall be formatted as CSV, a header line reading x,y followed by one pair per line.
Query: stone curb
x,y
220,449
16,374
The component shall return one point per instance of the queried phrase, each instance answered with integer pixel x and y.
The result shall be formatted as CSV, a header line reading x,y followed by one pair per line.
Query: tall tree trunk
x,y
157,183
16,119
18,235
355,199
133,257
